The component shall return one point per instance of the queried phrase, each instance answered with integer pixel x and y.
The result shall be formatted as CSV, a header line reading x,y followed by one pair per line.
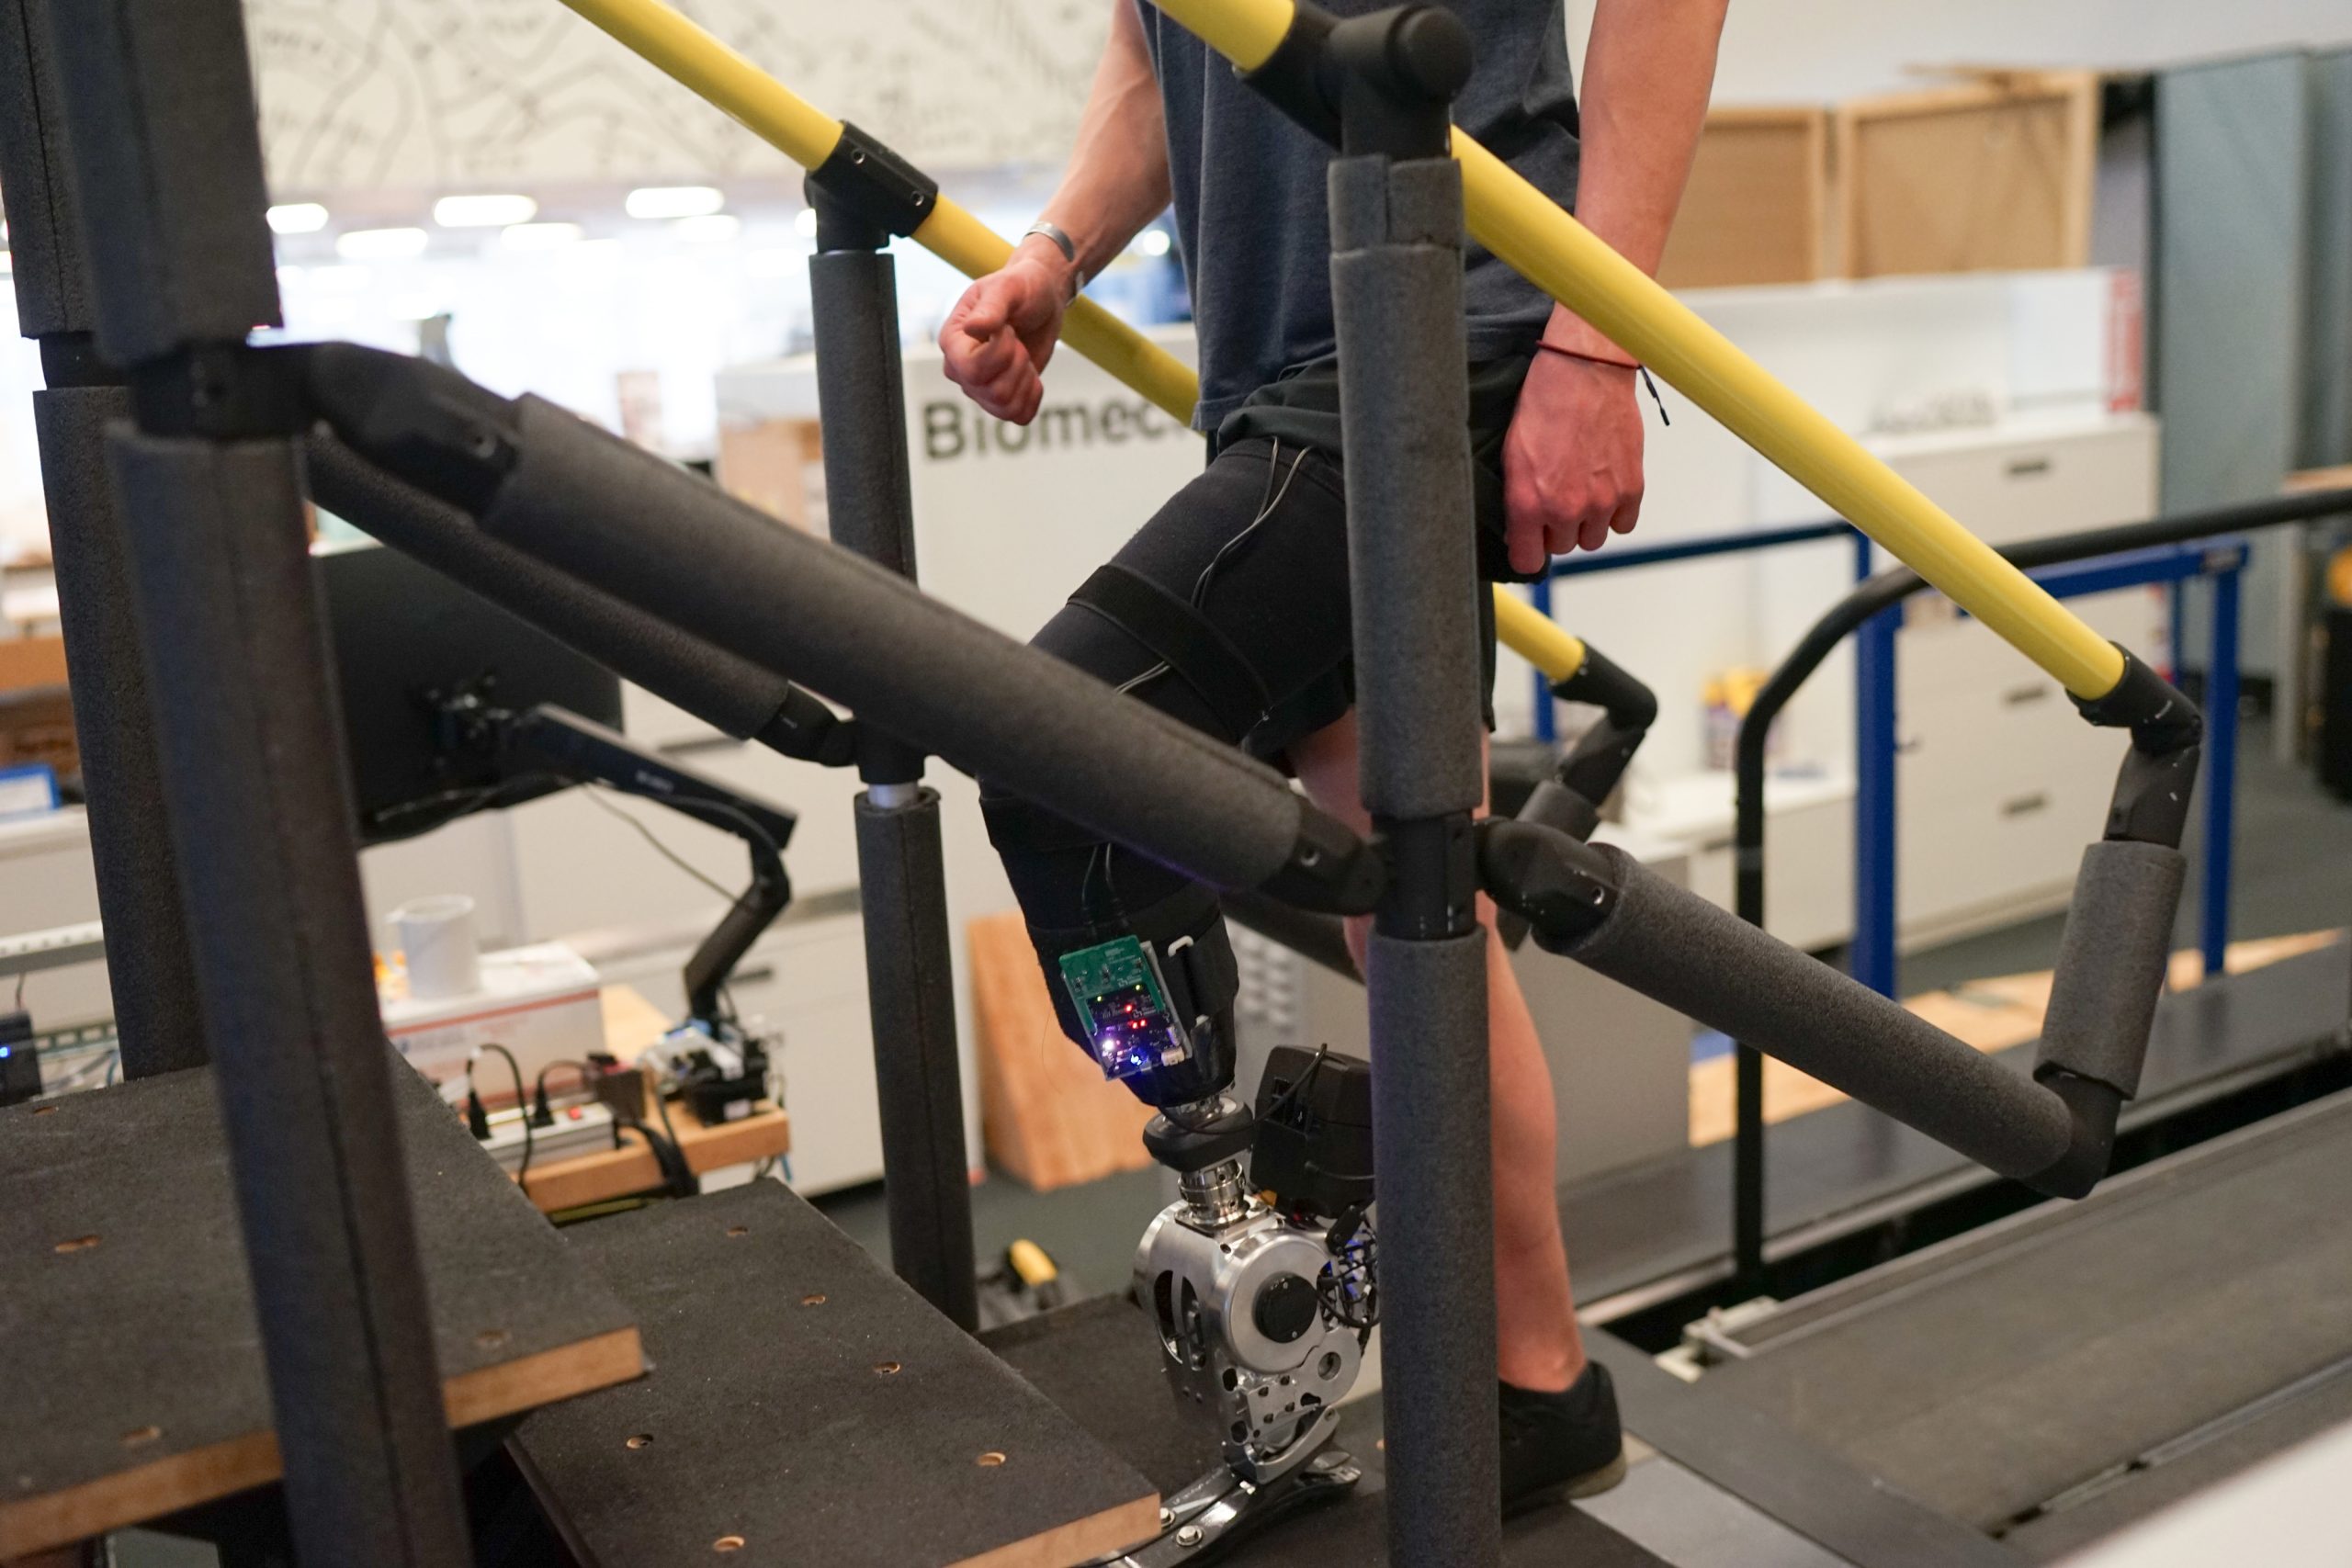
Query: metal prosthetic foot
x,y
1263,1308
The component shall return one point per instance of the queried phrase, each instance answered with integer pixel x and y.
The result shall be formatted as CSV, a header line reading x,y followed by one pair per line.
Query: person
x,y
1228,610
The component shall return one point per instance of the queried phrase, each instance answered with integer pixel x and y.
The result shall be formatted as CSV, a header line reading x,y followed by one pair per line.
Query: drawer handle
x,y
2018,696
2029,468
765,972
2025,805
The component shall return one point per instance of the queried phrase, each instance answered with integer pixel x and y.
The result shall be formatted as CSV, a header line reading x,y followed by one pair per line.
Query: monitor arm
x,y
551,739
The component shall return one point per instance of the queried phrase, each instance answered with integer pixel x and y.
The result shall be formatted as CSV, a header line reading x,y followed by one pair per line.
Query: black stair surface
x,y
136,1385
1099,1361
805,1406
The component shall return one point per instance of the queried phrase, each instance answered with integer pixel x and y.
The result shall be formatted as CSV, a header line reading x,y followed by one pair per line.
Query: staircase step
x,y
807,1407
139,1388
1100,1359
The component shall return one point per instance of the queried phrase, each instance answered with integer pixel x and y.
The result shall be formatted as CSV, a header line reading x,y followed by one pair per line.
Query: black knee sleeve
x,y
1136,958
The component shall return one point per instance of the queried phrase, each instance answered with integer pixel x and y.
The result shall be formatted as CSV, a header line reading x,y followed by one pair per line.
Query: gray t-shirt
x,y
1252,225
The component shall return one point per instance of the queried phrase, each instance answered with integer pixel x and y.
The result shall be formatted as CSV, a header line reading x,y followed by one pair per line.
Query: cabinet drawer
x,y
1998,855
2013,485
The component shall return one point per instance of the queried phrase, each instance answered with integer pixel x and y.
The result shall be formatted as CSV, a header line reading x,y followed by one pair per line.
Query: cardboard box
x,y
540,1003
1997,173
778,465
1756,208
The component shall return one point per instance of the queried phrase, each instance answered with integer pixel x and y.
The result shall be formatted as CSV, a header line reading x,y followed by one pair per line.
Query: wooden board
x,y
136,1386
1049,1116
1991,1015
604,1174
1995,173
1756,209
809,1407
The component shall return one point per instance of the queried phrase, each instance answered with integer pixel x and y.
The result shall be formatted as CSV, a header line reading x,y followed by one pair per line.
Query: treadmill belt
x,y
2181,1470
1991,1375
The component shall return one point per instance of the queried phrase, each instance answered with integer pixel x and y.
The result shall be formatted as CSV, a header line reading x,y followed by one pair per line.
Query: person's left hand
x,y
1572,459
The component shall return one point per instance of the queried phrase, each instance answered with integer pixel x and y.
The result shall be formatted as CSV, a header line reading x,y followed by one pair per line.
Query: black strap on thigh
x,y
1200,655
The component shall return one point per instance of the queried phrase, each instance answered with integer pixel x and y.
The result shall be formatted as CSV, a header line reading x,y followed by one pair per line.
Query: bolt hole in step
x,y
491,1339
138,1436
887,1368
1330,1366
1232,1380
739,1230
638,1440
44,1111
728,1543
989,1460
77,1243
813,1299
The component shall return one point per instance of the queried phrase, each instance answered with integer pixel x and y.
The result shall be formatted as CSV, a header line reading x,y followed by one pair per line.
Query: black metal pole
x,y
159,117
902,881
1748,1177
149,968
1396,228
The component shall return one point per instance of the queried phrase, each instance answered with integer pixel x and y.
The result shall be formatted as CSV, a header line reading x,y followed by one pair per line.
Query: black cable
x,y
450,805
596,793
522,1104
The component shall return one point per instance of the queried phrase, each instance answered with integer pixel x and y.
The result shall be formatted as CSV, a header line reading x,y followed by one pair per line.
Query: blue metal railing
x,y
1873,957
1589,563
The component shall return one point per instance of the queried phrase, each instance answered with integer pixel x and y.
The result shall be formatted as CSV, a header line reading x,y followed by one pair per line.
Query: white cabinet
x,y
47,881
1999,783
1808,848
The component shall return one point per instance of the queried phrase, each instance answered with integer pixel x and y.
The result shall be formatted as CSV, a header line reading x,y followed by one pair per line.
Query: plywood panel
x,y
1991,174
1755,208
1049,1116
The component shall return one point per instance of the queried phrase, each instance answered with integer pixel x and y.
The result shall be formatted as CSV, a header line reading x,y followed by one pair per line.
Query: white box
x,y
541,1002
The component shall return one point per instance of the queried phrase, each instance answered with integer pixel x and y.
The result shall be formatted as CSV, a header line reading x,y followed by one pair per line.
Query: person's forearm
x,y
1117,179
1648,69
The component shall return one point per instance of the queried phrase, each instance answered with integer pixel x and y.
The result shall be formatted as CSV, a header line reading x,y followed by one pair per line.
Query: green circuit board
x,y
1121,997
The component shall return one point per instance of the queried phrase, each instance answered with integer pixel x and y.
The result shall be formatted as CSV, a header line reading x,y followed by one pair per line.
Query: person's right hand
x,y
1001,333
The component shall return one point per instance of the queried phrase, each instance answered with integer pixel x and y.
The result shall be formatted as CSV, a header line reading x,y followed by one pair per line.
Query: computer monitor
x,y
405,638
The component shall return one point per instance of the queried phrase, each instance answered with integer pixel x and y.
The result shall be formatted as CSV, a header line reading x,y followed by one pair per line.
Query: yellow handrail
x,y
789,122
1561,256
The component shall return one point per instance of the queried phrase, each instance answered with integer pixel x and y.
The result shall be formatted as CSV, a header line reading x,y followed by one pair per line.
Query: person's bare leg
x,y
1537,1345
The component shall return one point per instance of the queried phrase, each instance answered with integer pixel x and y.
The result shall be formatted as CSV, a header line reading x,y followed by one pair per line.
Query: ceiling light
x,y
805,223
483,211
340,279
1152,242
379,244
672,201
537,236
709,226
297,217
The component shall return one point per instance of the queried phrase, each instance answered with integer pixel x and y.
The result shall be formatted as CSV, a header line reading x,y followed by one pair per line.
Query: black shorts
x,y
1258,544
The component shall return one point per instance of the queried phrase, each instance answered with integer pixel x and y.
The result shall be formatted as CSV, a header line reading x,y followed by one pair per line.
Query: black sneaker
x,y
1565,1444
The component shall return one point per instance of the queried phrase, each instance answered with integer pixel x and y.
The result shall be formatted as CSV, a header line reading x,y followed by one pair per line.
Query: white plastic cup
x,y
436,935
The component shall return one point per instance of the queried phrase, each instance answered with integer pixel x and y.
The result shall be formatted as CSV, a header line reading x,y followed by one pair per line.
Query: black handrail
x,y
1882,593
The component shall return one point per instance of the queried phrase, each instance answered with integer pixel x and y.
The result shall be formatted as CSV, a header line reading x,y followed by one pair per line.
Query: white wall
x,y
1821,50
